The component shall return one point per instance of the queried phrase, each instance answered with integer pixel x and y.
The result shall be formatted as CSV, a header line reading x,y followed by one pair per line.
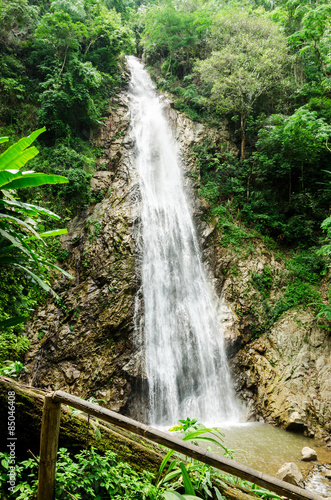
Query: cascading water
x,y
185,359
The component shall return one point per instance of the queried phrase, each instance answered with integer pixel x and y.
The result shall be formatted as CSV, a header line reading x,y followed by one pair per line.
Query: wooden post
x,y
49,440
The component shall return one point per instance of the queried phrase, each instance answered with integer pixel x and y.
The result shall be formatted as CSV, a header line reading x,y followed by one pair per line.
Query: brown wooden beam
x,y
282,488
49,440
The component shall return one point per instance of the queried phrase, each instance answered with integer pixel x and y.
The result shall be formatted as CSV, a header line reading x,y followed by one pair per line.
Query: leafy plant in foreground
x,y
20,231
12,369
86,475
194,477
199,480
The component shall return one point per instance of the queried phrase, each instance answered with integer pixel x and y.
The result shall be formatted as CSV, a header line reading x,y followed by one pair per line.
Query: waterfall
x,y
185,360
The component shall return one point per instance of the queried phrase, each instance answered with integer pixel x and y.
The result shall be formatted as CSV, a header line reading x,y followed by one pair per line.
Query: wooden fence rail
x,y
49,446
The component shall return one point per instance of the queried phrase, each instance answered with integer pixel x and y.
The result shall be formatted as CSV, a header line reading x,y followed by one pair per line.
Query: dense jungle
x,y
246,86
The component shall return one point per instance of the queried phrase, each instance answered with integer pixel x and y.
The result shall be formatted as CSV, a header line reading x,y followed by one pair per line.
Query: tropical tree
x,y
314,36
248,59
61,34
294,147
19,222
175,32
106,39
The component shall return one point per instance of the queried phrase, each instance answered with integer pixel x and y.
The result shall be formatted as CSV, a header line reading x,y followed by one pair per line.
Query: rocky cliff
x,y
86,345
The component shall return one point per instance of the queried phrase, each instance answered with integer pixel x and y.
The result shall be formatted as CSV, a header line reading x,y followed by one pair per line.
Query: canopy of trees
x,y
265,67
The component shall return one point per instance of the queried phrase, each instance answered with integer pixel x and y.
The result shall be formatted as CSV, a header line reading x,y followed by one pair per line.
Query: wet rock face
x,y
286,375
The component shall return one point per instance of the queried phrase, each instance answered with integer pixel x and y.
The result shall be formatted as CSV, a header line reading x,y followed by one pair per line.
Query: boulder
x,y
308,454
328,474
294,422
290,473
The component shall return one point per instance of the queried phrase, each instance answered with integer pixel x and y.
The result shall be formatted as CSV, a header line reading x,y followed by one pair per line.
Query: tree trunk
x,y
242,128
75,432
319,58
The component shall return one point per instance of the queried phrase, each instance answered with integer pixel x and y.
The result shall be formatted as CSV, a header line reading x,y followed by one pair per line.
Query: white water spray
x,y
186,365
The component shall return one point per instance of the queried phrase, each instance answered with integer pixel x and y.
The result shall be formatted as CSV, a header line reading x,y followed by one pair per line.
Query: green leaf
x,y
172,475
6,176
163,464
38,280
49,264
29,179
12,322
189,490
54,232
218,494
173,495
12,155
17,243
20,222
4,139
19,160
171,466
32,210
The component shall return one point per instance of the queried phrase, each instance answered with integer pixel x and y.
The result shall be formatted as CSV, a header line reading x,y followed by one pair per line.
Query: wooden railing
x,y
50,436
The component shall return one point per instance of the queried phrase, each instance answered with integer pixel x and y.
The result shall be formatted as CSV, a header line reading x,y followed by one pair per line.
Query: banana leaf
x,y
54,232
11,157
12,322
29,179
39,281
20,159
27,208
17,243
19,222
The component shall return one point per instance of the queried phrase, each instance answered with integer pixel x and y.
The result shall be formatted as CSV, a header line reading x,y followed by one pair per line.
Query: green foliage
x,y
325,313
278,100
210,190
176,34
21,242
16,233
87,473
76,164
102,476
313,38
60,64
248,58
12,346
12,369
306,269
307,266
263,281
195,479
296,294
64,61
326,247
232,233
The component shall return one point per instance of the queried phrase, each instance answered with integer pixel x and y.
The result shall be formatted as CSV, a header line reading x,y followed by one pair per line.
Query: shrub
x,y
86,475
